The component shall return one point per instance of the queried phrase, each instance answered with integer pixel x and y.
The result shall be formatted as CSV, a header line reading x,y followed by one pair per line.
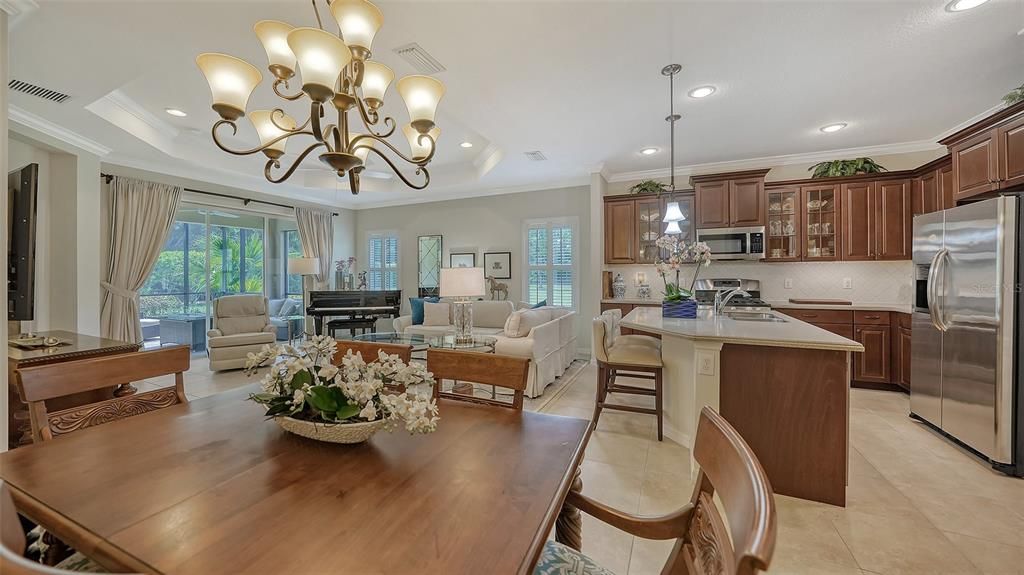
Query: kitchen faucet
x,y
721,301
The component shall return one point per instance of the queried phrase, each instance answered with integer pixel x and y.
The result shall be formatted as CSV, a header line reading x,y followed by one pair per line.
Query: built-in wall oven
x,y
734,243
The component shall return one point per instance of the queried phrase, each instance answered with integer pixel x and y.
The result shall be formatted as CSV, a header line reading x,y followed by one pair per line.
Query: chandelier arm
x,y
423,162
298,161
328,133
353,181
289,97
419,170
371,118
319,22
234,130
315,113
297,129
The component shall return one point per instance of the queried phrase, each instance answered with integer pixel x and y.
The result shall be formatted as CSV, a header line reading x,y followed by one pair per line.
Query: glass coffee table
x,y
421,343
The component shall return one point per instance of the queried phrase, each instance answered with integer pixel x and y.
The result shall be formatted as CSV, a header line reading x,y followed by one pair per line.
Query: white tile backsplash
x,y
889,283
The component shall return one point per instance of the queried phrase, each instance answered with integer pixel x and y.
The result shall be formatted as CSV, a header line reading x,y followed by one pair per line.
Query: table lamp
x,y
461,284
304,267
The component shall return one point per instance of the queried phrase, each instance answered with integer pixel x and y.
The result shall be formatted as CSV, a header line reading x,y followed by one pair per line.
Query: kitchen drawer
x,y
817,316
843,329
861,317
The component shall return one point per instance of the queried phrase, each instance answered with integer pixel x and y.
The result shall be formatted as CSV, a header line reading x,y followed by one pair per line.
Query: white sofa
x,y
550,342
241,325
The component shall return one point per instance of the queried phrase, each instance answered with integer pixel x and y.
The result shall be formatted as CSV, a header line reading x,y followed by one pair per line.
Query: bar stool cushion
x,y
639,340
639,355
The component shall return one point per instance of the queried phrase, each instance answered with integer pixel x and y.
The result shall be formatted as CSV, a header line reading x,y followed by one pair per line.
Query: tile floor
x,y
916,503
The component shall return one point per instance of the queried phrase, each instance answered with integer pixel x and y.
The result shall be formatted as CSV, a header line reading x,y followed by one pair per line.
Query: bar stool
x,y
633,339
642,361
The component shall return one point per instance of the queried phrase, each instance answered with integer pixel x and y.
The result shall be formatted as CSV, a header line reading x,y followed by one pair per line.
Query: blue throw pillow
x,y
541,303
416,304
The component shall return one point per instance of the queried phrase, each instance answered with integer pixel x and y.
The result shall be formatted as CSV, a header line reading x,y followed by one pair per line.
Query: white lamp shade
x,y
376,79
462,282
231,82
304,266
421,95
363,150
420,150
321,57
274,37
673,229
261,120
673,213
358,21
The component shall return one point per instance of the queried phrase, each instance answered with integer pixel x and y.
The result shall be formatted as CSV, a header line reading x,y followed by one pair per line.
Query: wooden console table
x,y
81,346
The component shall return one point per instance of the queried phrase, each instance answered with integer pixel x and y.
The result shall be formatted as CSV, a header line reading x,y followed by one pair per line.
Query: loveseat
x,y
546,335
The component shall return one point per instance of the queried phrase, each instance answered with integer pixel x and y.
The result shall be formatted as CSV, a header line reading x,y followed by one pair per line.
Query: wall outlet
x,y
847,283
788,283
705,363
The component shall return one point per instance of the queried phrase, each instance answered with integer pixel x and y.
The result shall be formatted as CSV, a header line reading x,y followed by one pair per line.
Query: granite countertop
x,y
897,307
707,326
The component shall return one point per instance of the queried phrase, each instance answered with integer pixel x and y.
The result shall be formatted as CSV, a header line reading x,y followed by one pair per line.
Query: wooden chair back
x,y
371,350
485,368
40,383
729,467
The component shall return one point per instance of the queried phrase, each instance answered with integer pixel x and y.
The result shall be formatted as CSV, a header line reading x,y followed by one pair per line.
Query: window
x,y
382,272
293,249
550,254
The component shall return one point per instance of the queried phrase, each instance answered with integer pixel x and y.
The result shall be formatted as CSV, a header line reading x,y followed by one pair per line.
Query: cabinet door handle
x,y
810,315
872,317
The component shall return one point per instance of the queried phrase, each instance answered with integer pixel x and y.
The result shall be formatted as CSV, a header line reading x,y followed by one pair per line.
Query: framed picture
x,y
464,260
498,265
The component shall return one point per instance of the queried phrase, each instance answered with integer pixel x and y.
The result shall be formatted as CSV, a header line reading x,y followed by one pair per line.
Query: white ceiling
x,y
579,81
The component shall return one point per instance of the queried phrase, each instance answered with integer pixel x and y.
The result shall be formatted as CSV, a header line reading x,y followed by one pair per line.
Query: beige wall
x,y
484,224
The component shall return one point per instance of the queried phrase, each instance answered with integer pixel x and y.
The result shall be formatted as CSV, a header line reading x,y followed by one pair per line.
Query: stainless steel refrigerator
x,y
965,334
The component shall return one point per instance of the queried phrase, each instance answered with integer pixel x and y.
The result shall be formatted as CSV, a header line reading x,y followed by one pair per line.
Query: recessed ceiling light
x,y
175,112
649,151
961,5
466,144
701,92
833,127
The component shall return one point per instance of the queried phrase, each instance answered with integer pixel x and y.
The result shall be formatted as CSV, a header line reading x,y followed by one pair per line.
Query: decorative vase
x,y
331,433
643,291
619,287
339,280
686,309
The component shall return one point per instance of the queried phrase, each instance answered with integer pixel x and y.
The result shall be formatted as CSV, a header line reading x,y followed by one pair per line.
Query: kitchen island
x,y
782,383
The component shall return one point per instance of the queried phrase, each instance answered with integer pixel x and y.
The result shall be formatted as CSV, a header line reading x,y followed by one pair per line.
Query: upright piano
x,y
352,308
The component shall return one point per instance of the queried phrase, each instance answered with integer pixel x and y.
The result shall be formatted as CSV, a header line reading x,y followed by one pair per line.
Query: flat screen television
x,y
21,242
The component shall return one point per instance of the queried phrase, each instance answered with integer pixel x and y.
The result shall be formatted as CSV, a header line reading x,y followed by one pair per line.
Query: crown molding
x,y
463,195
970,121
27,119
18,7
772,161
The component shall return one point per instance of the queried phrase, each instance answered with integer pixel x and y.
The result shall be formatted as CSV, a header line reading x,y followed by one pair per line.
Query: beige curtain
x,y
316,231
141,216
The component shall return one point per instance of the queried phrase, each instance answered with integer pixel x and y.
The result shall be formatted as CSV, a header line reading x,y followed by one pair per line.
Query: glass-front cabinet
x,y
783,229
820,222
649,212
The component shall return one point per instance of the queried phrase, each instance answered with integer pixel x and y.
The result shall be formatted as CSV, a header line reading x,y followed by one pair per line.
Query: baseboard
x,y
878,386
671,432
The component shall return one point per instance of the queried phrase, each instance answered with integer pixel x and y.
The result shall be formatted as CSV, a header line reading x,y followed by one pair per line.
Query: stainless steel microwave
x,y
734,243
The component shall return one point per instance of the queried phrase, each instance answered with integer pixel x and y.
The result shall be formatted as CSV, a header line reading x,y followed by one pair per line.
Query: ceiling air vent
x,y
37,91
418,58
535,156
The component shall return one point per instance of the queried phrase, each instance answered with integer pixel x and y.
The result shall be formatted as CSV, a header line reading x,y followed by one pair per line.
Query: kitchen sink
x,y
754,316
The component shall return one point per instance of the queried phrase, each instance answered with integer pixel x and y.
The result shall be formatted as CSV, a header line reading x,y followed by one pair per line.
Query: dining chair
x,y
504,371
740,543
370,350
12,546
615,358
41,383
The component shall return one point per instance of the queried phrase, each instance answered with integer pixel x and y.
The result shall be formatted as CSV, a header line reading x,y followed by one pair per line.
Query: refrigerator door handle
x,y
930,293
940,289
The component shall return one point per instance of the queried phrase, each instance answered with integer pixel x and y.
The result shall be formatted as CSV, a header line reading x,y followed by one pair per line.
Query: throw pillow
x,y
416,305
521,322
541,303
435,313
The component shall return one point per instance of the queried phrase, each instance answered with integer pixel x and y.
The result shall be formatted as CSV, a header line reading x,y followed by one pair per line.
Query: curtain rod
x,y
245,201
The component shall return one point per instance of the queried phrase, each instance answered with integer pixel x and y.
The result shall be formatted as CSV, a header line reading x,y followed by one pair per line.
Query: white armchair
x,y
241,324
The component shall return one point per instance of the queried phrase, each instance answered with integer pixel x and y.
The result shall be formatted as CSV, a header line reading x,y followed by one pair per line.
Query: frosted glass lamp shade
x,y
358,21
421,95
462,282
420,149
673,228
364,147
303,266
231,83
266,128
274,37
321,57
376,79
673,213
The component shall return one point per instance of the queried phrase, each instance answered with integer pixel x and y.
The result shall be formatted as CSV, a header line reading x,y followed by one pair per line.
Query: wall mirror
x,y
429,265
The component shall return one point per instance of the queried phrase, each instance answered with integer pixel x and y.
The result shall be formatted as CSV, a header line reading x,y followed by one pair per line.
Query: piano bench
x,y
351,324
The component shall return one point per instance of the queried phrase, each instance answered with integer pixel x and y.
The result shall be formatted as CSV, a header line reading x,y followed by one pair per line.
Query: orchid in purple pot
x,y
679,301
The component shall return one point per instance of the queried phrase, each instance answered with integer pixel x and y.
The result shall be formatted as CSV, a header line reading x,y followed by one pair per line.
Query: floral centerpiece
x,y
679,301
306,394
343,272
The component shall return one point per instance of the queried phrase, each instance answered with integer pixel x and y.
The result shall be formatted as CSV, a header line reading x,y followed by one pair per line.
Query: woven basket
x,y
331,433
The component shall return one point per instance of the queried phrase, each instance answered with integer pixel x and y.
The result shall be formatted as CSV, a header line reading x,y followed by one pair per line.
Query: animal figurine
x,y
362,281
499,290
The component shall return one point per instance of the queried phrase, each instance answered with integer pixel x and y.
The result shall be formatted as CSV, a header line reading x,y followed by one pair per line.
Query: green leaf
x,y
322,398
347,411
278,408
262,397
300,379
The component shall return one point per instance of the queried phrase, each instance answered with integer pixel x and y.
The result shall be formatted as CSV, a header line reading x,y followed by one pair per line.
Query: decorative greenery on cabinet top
x,y
649,187
837,168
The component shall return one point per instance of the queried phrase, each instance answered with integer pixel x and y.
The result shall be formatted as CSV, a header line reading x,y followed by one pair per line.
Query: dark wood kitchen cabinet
x,y
931,188
632,224
730,200
872,365
893,220
901,338
988,156
858,220
620,238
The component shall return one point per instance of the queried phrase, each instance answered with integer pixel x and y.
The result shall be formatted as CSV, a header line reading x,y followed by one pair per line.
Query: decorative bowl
x,y
331,432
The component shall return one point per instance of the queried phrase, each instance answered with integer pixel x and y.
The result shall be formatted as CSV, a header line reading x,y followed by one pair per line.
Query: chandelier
x,y
336,75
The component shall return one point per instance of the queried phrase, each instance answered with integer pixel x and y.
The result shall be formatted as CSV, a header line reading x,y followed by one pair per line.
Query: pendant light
x,y
673,215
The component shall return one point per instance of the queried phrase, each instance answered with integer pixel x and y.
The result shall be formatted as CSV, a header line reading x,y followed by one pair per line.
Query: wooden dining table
x,y
212,487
